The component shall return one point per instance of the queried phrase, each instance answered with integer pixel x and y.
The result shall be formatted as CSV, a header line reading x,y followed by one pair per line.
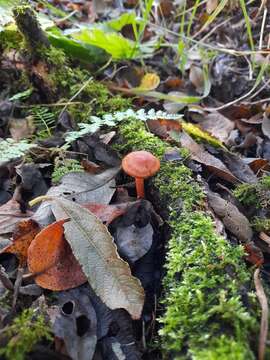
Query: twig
x,y
5,279
264,319
77,94
17,285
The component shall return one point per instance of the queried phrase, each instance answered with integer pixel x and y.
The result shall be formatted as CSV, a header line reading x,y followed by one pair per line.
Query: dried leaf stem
x,y
264,319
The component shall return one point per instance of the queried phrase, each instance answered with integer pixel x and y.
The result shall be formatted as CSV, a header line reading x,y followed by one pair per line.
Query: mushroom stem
x,y
139,187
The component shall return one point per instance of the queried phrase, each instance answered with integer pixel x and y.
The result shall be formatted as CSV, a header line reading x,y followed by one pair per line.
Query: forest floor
x,y
109,252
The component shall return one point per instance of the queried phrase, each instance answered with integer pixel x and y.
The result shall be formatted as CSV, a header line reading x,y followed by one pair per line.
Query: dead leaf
x,y
200,155
255,255
81,187
134,242
232,218
51,258
21,128
94,248
24,233
106,213
149,82
211,5
162,127
218,126
239,168
257,164
196,77
10,215
74,321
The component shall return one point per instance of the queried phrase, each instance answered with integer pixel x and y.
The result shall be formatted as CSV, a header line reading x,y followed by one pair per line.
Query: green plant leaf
x,y
79,50
114,44
21,95
123,20
95,250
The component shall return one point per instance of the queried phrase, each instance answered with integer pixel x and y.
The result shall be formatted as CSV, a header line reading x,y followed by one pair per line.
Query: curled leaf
x,y
51,258
23,235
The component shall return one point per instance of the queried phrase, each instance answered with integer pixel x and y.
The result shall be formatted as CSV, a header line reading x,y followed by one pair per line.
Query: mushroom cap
x,y
140,164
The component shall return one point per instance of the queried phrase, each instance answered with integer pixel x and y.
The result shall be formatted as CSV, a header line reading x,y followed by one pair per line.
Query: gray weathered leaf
x,y
94,248
232,218
74,321
81,187
198,153
134,242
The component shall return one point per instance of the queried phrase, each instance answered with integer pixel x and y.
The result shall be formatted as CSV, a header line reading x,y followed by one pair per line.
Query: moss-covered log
x,y
210,307
29,27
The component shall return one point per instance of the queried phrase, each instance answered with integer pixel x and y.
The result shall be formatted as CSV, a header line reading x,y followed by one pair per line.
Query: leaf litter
x,y
216,92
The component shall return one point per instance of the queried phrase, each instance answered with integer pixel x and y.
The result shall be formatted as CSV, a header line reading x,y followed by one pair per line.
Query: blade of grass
x,y
248,25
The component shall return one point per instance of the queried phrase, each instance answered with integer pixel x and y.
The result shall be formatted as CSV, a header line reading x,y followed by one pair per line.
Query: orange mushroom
x,y
140,165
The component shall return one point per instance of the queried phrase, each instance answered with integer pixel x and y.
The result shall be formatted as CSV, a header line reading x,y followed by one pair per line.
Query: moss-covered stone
x,y
209,309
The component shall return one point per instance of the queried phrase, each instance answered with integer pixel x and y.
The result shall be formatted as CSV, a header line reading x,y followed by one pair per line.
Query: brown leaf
x,y
196,78
21,128
211,5
10,215
218,126
162,127
255,255
106,213
23,235
232,218
51,259
202,156
94,247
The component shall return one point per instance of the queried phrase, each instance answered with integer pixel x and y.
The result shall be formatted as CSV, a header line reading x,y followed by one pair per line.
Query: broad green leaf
x,y
123,20
79,50
114,44
95,250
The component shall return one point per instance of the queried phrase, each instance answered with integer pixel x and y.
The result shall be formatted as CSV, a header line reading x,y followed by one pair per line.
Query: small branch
x,y
17,285
264,319
5,279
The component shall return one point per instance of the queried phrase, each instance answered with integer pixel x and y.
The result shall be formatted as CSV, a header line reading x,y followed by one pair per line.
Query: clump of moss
x,y
209,313
63,167
26,330
135,137
261,224
257,195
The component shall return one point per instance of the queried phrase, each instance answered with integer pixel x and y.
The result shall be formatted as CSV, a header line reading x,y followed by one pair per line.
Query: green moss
x,y
10,39
63,167
257,195
135,137
261,224
26,330
93,98
205,314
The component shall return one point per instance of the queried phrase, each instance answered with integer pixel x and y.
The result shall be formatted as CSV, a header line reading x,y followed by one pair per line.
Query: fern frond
x,y
43,119
96,123
10,149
